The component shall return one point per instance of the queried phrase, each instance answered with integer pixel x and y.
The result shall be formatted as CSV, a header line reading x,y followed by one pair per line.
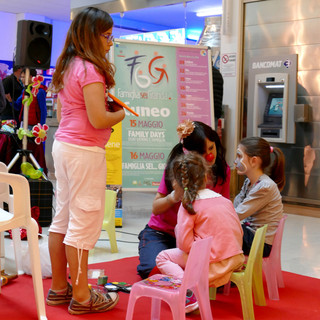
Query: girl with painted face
x,y
259,201
158,234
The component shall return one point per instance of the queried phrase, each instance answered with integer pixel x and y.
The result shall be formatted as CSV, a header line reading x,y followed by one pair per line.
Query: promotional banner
x,y
164,84
114,172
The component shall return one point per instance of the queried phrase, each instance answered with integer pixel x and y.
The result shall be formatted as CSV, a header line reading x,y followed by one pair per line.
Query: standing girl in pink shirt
x,y
82,76
203,213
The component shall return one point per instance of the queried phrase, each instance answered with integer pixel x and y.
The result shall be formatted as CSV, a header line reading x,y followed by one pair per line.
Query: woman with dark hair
x,y
158,234
82,76
205,141
259,201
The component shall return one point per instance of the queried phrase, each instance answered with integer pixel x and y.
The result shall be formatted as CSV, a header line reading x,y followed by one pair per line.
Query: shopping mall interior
x,y
267,53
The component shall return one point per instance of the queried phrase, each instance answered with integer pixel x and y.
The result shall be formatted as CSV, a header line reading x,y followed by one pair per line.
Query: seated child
x,y
203,213
259,201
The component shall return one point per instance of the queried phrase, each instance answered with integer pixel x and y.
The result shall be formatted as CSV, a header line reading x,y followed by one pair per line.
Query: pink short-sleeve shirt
x,y
75,126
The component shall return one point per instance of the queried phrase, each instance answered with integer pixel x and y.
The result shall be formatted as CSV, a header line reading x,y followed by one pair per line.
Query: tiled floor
x,y
300,246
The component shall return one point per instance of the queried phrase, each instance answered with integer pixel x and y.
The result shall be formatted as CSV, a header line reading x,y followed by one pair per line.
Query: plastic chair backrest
x,y
20,186
277,241
256,251
4,188
109,207
163,287
197,264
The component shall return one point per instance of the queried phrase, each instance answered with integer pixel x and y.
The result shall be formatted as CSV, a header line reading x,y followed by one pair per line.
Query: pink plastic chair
x,y
272,265
173,290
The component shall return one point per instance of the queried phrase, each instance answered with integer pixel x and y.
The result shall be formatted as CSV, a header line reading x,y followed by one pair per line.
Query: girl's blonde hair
x,y
189,171
84,40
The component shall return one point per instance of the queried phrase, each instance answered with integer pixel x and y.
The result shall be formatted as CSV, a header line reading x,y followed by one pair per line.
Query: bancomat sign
x,y
272,93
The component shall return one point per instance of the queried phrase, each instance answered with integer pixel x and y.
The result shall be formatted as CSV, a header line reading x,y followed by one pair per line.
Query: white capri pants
x,y
80,194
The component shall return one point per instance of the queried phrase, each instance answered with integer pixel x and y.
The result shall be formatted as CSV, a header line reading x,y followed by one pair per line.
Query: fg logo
x,y
155,73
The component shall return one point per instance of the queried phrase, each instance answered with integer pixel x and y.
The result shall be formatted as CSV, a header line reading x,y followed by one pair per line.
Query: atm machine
x,y
270,106
272,96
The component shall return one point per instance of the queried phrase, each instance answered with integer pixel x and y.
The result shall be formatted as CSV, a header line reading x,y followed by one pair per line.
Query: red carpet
x,y
300,299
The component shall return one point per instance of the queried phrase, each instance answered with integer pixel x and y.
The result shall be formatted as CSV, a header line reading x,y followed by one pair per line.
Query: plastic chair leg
x,y
204,305
258,290
178,310
271,279
279,274
17,249
130,307
113,241
2,248
1,245
213,293
155,308
32,234
246,301
226,288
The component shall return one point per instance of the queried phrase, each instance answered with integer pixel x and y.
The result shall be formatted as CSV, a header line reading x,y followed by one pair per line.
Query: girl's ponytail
x,y
276,170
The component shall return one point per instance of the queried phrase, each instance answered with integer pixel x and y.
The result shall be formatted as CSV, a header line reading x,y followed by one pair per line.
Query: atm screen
x,y
275,108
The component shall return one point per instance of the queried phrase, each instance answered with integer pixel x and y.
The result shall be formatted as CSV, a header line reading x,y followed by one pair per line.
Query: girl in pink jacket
x,y
203,213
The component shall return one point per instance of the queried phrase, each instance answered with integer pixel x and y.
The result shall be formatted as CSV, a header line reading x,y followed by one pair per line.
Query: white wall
x,y
8,34
229,44
60,29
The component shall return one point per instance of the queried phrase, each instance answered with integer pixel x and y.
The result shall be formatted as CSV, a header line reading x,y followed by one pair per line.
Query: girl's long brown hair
x,y
84,40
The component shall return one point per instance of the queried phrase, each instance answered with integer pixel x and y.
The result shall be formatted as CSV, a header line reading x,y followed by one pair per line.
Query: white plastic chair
x,y
6,197
109,218
173,291
272,265
21,217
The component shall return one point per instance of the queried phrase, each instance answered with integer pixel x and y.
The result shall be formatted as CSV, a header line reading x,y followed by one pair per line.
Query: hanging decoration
x,y
40,132
36,82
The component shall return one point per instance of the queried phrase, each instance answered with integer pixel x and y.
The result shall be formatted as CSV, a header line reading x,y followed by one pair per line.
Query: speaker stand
x,y
24,152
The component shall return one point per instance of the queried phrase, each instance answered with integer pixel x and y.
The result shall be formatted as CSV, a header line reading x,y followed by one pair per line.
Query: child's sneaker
x,y
54,298
99,302
191,302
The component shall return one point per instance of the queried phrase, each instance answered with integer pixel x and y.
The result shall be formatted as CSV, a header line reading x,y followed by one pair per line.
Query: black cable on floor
x,y
133,234
120,241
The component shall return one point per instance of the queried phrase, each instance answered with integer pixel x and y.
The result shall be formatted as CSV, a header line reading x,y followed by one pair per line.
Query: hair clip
x,y
185,128
186,189
185,151
271,149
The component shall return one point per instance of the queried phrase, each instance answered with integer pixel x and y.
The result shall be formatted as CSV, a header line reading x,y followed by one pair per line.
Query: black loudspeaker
x,y
33,49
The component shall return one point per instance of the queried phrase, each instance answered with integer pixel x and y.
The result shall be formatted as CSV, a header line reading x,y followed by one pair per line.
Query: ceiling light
x,y
216,11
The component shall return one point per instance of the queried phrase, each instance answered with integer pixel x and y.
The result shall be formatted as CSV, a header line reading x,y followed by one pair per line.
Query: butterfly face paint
x,y
239,162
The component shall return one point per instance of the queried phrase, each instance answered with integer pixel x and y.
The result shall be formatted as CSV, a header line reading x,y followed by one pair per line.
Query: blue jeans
x,y
151,243
248,236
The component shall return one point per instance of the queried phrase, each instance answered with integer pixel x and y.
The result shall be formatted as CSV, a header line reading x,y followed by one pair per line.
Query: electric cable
x,y
123,241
